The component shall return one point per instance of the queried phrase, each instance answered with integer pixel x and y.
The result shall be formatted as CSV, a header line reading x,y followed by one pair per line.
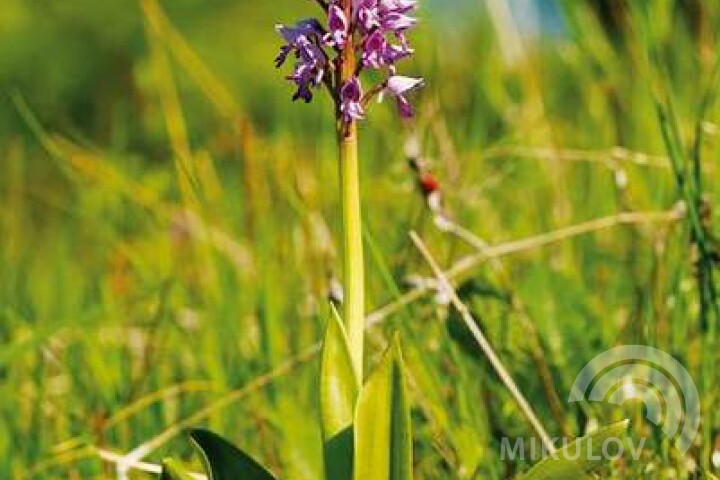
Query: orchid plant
x,y
365,426
356,36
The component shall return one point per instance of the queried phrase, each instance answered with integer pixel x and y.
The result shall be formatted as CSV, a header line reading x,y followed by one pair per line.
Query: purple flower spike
x,y
398,86
337,26
376,30
350,98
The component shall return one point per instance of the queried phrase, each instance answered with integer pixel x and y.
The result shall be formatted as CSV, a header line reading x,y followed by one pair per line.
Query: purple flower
x,y
367,14
398,6
377,30
373,54
389,15
303,29
398,86
337,27
376,20
397,22
377,51
303,39
350,101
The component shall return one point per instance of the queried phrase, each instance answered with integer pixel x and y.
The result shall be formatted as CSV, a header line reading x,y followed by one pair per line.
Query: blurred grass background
x,y
169,220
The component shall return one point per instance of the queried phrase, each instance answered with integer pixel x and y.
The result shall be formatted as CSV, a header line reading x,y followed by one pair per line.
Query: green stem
x,y
354,276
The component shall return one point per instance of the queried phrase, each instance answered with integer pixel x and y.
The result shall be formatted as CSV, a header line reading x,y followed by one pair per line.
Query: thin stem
x,y
536,348
485,345
372,92
610,157
460,269
354,275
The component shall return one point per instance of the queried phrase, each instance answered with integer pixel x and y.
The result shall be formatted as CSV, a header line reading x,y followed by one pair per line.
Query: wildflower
x,y
396,22
388,14
400,6
367,14
378,52
338,27
304,29
350,100
398,86
302,39
372,55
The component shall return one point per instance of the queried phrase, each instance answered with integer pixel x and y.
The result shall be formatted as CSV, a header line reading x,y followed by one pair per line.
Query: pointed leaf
x,y
171,470
578,459
383,438
339,387
224,461
339,384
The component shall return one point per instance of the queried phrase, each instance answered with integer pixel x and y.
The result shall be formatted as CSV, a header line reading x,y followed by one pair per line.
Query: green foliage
x,y
224,461
121,317
383,438
579,459
374,443
338,393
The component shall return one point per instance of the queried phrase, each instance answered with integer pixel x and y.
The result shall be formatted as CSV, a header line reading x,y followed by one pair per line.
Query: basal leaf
x,y
339,387
578,459
383,438
224,461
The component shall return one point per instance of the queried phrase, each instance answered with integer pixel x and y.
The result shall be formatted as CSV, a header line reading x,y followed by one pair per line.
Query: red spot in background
x,y
429,183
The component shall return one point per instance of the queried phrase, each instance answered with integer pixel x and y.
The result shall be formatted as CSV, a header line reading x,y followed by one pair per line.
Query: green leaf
x,y
224,461
577,459
339,387
383,438
171,470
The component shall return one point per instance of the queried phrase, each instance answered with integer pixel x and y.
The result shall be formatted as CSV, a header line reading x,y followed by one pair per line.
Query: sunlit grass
x,y
170,222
